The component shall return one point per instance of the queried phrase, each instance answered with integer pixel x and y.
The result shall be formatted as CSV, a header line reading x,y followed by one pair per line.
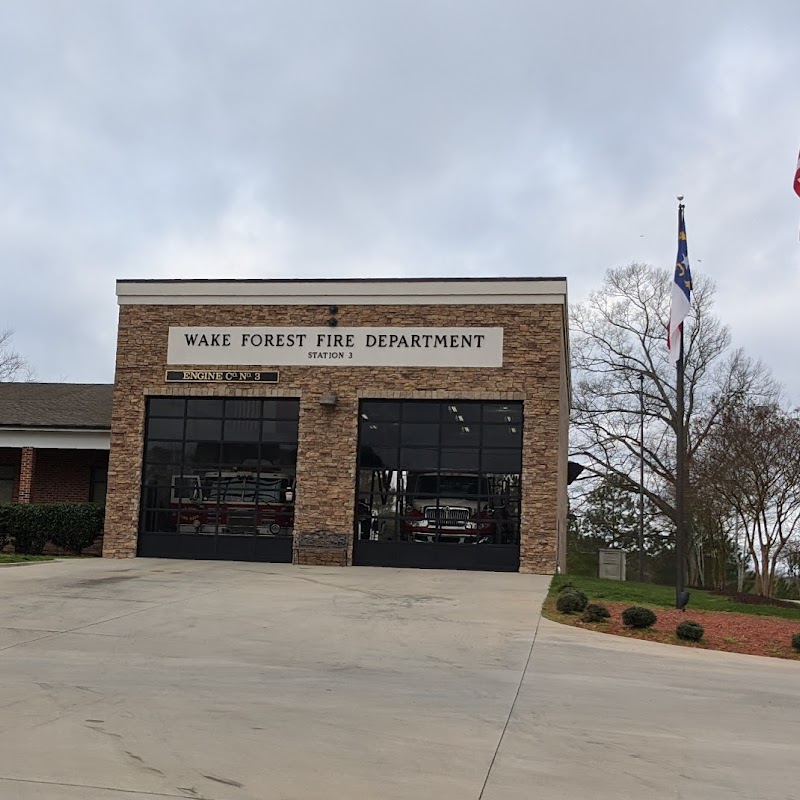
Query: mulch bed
x,y
724,630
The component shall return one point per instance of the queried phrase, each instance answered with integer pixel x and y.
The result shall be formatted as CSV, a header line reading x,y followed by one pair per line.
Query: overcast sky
x,y
369,138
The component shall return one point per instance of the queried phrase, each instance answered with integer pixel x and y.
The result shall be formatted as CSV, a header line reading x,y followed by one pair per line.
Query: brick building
x,y
385,422
54,441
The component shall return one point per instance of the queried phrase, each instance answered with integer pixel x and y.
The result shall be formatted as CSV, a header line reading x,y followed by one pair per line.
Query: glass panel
x,y
244,453
156,451
501,461
6,483
462,411
202,452
157,496
502,436
160,473
166,406
461,435
204,407
380,481
418,459
165,429
421,411
243,409
281,409
242,430
502,413
378,411
272,431
460,459
277,454
210,429
420,434
380,433
378,457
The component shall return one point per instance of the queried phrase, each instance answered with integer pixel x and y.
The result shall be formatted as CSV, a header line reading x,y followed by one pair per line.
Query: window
x,y
6,483
446,472
98,482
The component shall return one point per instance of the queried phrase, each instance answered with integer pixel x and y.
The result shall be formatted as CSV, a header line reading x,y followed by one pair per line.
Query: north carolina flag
x,y
681,293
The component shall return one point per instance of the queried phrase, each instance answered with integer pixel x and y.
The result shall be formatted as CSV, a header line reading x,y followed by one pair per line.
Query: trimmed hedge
x,y
638,617
5,518
71,526
595,613
571,601
690,631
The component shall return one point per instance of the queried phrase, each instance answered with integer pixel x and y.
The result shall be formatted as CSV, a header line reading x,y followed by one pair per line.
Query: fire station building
x,y
404,423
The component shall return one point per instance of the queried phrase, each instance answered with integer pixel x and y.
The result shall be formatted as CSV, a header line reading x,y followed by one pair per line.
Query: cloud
x,y
200,139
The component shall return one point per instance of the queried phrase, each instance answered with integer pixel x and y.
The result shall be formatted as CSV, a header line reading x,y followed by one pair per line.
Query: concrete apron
x,y
229,680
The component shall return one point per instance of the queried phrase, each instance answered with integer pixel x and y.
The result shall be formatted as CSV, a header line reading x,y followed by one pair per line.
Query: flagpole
x,y
680,469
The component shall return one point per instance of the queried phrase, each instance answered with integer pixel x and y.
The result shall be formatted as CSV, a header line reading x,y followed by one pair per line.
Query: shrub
x,y
74,526
71,526
565,586
572,601
638,617
796,642
6,509
28,525
595,613
689,631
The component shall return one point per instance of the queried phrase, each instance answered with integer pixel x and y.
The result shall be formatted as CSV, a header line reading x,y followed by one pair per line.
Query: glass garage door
x,y
219,478
439,484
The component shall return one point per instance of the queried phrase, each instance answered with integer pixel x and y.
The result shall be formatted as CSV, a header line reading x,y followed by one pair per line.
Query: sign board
x,y
219,376
345,347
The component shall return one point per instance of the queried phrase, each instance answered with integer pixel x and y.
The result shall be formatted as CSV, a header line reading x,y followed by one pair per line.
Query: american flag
x,y
681,293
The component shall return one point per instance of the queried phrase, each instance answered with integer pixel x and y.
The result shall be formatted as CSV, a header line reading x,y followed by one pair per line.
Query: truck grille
x,y
444,515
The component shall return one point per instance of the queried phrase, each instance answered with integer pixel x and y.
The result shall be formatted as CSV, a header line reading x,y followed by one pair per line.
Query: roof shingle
x,y
55,405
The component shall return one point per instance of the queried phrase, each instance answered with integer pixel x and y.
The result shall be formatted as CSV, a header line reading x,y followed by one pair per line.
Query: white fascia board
x,y
56,438
274,293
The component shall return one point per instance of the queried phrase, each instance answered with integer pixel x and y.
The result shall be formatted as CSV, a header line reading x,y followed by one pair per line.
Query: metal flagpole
x,y
680,467
641,477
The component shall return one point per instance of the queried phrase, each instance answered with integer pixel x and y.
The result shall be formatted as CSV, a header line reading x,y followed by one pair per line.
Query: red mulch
x,y
724,630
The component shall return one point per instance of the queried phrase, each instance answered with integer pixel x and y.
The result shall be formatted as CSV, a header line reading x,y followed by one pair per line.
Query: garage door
x,y
219,478
438,484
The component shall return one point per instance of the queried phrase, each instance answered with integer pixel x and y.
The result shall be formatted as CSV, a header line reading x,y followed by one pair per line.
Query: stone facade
x,y
534,371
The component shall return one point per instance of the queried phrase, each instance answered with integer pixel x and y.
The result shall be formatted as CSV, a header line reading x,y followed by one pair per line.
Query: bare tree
x,y
13,366
752,460
619,345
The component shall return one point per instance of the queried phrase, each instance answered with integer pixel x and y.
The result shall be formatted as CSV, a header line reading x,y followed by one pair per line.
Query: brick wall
x,y
532,372
64,475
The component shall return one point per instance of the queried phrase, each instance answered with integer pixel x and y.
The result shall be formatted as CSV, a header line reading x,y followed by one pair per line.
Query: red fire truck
x,y
233,502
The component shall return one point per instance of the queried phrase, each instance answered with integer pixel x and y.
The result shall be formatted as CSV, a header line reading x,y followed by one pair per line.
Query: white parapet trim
x,y
56,438
457,291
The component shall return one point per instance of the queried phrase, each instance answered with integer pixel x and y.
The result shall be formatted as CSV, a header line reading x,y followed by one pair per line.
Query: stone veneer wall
x,y
326,465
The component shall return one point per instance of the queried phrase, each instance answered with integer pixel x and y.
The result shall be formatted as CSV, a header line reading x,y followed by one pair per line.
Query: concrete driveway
x,y
225,681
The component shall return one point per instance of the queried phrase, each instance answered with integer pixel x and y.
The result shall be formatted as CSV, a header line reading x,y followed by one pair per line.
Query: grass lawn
x,y
648,594
15,558
730,626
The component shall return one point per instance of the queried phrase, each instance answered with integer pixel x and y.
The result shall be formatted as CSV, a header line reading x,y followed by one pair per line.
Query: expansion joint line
x,y
510,710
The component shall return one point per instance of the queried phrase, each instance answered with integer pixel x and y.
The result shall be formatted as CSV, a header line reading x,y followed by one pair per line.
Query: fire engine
x,y
237,501
451,507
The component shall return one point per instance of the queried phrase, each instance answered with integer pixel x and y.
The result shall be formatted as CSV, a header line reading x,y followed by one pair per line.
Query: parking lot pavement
x,y
605,717
148,679
153,678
